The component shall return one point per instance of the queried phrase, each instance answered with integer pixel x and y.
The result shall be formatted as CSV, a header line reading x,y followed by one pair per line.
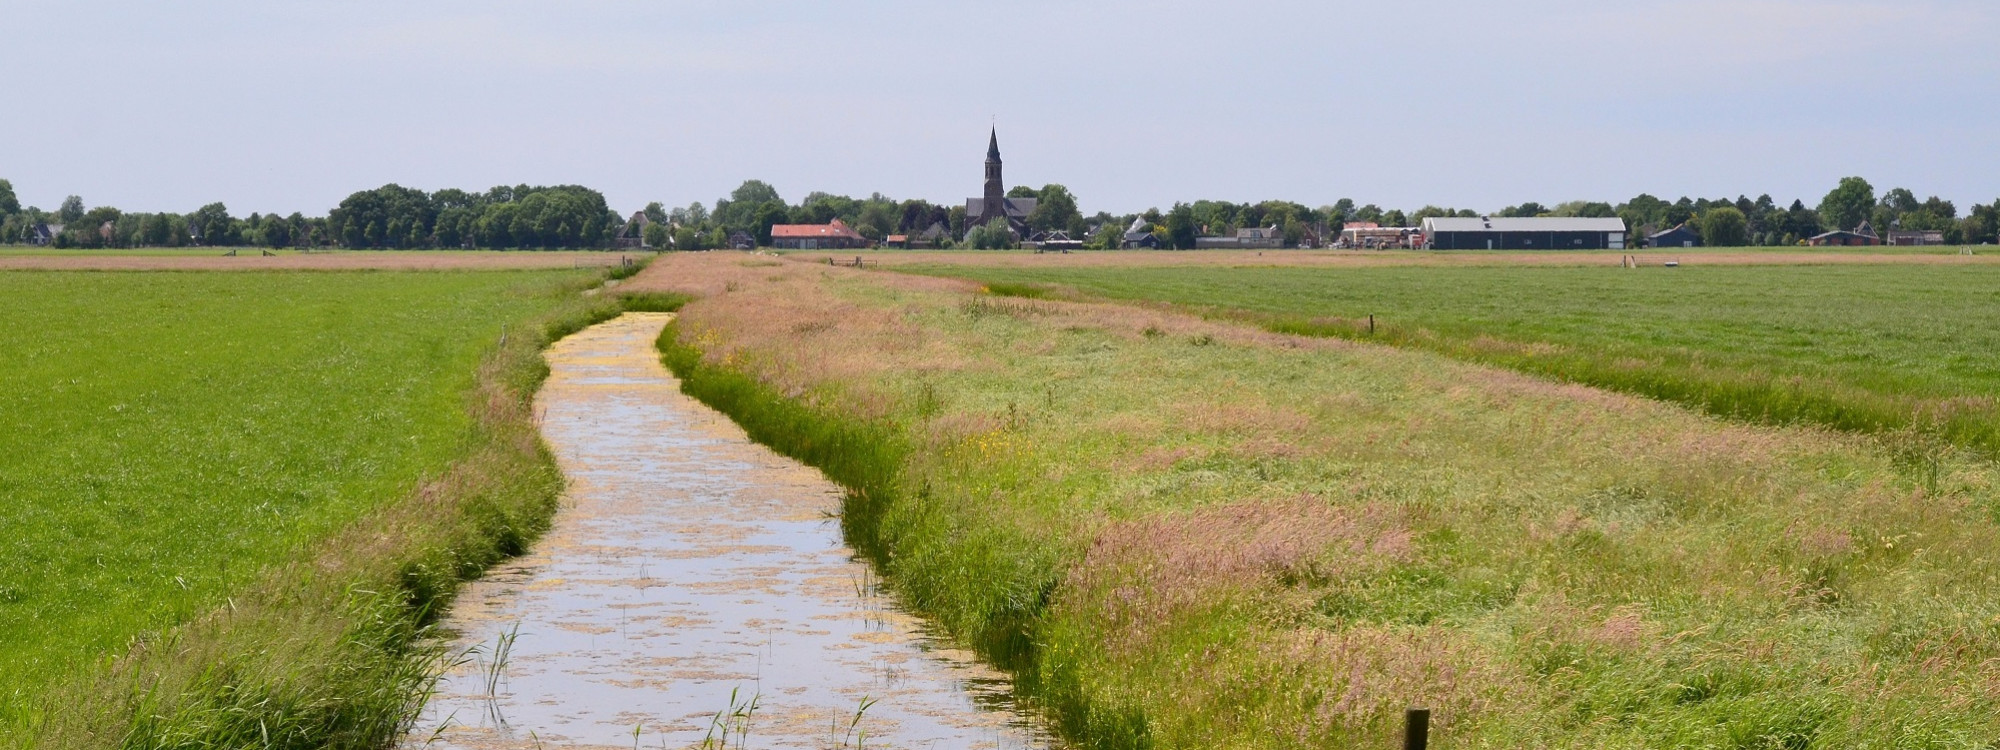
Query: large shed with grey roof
x,y
1539,233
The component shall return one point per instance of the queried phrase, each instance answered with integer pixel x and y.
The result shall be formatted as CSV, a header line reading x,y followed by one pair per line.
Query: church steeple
x,y
996,190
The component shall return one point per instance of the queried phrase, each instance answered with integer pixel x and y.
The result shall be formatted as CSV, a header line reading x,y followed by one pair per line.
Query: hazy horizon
x,y
282,108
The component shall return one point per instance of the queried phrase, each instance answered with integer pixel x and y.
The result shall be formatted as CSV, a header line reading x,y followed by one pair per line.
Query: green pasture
x,y
1877,348
166,436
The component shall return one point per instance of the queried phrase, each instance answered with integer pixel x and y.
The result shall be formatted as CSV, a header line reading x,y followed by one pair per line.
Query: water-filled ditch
x,y
690,574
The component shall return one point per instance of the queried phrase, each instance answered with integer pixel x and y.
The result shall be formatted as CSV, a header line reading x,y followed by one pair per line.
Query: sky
x,y
291,106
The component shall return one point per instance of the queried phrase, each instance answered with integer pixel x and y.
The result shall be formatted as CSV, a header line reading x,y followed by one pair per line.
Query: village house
x,y
43,234
1140,235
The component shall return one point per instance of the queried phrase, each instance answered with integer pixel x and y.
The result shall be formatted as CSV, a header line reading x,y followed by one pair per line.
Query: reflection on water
x,y
688,564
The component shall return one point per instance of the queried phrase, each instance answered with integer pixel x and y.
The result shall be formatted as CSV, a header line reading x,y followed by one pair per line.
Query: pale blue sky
x,y
284,106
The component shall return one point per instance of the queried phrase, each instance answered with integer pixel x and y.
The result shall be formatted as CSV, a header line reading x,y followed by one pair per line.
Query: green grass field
x,y
167,438
1877,348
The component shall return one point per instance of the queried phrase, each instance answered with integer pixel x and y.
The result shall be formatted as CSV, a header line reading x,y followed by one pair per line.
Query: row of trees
x,y
400,218
109,227
389,217
570,216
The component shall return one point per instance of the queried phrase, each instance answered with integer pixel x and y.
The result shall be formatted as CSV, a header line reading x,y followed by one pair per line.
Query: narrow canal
x,y
692,575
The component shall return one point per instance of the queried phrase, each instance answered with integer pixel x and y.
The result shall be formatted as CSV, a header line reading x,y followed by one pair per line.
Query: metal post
x,y
1417,729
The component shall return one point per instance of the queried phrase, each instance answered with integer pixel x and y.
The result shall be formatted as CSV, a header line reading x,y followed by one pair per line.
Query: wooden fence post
x,y
1417,729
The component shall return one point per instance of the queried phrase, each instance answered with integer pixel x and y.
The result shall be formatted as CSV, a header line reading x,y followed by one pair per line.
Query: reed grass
x,y
1184,533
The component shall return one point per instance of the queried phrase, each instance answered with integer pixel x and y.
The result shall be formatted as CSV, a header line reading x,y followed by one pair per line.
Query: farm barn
x,y
835,236
1541,233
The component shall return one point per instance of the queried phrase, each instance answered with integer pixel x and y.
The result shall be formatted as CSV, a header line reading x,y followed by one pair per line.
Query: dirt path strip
x,y
687,563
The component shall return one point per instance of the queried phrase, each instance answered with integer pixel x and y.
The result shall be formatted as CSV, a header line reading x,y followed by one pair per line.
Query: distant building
x,y
1680,236
1537,233
1910,238
995,204
633,235
742,241
1862,236
933,236
1261,238
899,241
1844,239
43,233
1056,241
1140,235
835,236
1367,235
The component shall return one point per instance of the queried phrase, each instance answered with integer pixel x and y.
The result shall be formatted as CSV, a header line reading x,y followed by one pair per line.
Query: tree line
x,y
390,217
572,216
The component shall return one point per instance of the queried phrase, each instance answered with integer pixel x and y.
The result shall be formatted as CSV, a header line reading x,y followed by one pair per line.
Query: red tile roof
x,y
811,231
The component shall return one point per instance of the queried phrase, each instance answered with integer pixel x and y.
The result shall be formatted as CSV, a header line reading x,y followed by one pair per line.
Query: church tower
x,y
996,190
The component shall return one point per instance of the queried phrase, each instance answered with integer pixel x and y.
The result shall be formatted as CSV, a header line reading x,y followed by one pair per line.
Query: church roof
x,y
1018,208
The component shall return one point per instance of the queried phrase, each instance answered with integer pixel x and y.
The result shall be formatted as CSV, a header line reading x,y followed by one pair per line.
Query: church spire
x,y
993,146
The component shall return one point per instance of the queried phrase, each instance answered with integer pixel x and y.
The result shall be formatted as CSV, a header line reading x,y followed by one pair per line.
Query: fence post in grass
x,y
1371,324
1417,729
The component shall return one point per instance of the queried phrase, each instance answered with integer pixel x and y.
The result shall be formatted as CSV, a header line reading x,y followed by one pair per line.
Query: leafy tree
x,y
275,233
877,219
755,192
738,212
1525,210
1180,227
1022,191
687,238
1056,211
994,235
1725,226
655,213
71,210
1981,225
213,226
655,234
1848,205
1584,209
770,213
956,221
9,204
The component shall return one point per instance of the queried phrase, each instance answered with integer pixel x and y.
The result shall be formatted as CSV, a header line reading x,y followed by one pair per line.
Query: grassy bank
x,y
1187,533
1880,349
242,496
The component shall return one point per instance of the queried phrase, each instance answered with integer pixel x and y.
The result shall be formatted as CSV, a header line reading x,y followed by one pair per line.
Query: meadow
x,y
1184,531
1910,349
233,500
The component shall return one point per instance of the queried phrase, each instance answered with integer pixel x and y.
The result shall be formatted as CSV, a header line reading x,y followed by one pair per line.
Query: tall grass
x,y
329,649
1201,534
